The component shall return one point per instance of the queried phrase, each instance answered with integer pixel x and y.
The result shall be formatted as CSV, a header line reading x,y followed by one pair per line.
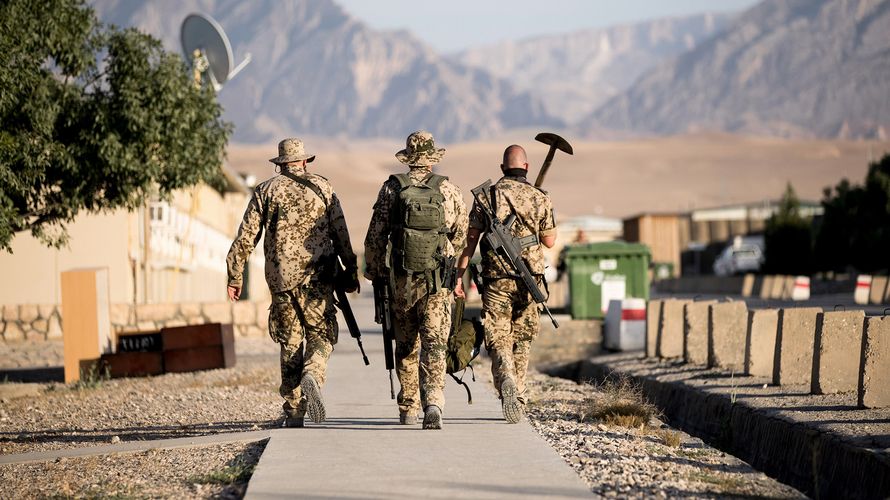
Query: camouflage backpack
x,y
418,223
464,342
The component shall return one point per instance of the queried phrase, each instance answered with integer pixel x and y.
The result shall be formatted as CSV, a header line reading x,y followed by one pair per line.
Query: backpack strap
x,y
403,180
435,181
307,184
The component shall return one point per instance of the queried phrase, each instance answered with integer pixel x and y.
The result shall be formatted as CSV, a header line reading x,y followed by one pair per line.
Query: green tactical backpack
x,y
418,223
464,342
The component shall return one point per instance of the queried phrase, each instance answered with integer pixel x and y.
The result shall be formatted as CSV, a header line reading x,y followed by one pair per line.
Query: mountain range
x,y
795,68
785,67
574,73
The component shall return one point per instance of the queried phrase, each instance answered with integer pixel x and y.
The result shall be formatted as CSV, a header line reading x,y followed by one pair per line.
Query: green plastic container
x,y
600,272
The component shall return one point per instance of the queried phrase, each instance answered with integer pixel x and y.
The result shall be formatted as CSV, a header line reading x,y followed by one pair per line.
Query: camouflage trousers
x,y
422,328
511,325
304,322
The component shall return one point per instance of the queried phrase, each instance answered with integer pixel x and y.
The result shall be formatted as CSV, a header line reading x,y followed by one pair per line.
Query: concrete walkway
x,y
362,452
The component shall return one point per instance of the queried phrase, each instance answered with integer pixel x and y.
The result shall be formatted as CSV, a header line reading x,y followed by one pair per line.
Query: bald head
x,y
514,157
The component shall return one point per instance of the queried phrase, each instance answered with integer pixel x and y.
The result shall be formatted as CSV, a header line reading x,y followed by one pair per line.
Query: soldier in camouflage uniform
x,y
305,231
511,316
422,314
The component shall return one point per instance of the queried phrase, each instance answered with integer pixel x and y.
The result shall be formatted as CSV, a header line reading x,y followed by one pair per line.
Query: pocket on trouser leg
x,y
282,318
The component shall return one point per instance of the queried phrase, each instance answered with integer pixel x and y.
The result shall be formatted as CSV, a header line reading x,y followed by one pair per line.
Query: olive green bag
x,y
419,230
464,342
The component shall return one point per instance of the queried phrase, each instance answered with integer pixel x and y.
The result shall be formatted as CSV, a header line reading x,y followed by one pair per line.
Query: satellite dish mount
x,y
205,44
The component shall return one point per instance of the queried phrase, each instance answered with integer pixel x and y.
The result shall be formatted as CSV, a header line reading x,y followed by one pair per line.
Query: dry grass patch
x,y
618,402
668,437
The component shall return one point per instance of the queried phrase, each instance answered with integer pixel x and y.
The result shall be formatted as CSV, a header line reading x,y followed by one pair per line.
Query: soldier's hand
x,y
234,293
459,290
350,281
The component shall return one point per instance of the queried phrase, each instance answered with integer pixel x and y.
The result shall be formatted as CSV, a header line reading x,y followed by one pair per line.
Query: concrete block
x,y
875,296
653,322
863,289
727,330
795,339
218,312
695,326
760,342
835,362
874,376
788,287
670,340
778,287
766,287
748,285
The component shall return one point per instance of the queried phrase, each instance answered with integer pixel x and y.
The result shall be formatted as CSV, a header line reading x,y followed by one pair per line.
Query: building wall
x,y
665,235
32,270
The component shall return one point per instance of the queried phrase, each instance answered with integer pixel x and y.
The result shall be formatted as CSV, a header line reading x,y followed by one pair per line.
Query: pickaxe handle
x,y
546,166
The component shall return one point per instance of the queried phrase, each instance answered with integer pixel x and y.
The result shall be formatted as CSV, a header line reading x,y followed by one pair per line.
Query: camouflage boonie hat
x,y
291,149
420,149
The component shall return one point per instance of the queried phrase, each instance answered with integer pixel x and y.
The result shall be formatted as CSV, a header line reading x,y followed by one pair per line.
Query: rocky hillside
x,y
576,72
316,70
784,67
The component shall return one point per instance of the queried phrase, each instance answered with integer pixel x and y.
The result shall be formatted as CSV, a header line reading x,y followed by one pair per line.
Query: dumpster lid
x,y
607,249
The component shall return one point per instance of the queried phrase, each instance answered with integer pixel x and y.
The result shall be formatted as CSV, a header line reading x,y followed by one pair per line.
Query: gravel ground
x,y
621,462
220,471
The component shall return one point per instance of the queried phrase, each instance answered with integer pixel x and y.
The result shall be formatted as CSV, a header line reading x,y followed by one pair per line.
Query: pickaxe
x,y
555,142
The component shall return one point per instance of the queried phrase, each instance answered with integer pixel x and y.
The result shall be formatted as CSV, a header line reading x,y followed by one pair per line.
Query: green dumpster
x,y
601,272
662,270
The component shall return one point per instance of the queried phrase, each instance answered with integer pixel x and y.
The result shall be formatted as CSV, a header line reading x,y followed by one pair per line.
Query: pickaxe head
x,y
555,141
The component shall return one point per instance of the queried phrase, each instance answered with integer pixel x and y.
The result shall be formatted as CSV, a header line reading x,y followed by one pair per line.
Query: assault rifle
x,y
342,303
508,247
384,317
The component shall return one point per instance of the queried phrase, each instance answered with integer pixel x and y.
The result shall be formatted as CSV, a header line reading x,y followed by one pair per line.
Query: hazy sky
x,y
456,24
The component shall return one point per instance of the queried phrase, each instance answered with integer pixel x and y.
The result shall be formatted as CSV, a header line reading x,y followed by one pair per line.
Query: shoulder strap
x,y
306,183
435,181
403,180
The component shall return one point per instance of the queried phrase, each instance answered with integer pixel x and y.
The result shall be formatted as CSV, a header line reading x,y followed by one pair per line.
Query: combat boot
x,y
314,404
292,419
432,417
408,417
509,402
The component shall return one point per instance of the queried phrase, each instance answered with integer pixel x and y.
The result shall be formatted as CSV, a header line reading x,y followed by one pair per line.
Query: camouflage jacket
x,y
301,235
534,216
379,229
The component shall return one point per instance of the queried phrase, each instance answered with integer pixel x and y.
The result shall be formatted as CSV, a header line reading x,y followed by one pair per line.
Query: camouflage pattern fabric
x,y
305,314
422,328
534,216
290,150
511,320
301,237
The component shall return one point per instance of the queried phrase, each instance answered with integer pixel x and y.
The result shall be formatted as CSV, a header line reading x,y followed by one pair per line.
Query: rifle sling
x,y
307,184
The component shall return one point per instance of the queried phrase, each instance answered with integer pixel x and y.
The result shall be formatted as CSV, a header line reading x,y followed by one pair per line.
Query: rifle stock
x,y
342,303
501,240
383,317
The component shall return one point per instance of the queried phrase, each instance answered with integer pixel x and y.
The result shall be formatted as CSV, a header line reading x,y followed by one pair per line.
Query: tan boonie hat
x,y
291,149
420,149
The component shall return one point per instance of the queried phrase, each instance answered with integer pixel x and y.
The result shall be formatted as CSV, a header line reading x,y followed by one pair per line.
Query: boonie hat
x,y
291,149
420,149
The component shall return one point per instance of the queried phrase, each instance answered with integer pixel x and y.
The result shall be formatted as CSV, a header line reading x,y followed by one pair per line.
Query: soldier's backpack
x,y
464,343
418,227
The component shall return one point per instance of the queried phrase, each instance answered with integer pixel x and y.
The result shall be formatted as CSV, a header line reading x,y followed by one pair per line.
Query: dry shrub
x,y
618,402
668,437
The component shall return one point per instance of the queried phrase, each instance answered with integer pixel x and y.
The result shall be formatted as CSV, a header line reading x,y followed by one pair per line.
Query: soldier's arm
x,y
476,226
340,234
378,234
249,233
547,227
458,233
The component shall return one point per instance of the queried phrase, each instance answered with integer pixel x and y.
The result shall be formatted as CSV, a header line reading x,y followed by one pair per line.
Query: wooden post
x,y
86,320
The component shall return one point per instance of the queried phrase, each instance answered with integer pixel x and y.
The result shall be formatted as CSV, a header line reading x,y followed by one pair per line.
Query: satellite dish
x,y
205,44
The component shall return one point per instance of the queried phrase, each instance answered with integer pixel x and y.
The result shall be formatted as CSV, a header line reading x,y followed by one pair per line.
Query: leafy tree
x,y
855,230
788,238
93,118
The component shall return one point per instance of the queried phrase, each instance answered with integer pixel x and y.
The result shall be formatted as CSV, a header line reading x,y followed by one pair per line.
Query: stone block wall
x,y
21,323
